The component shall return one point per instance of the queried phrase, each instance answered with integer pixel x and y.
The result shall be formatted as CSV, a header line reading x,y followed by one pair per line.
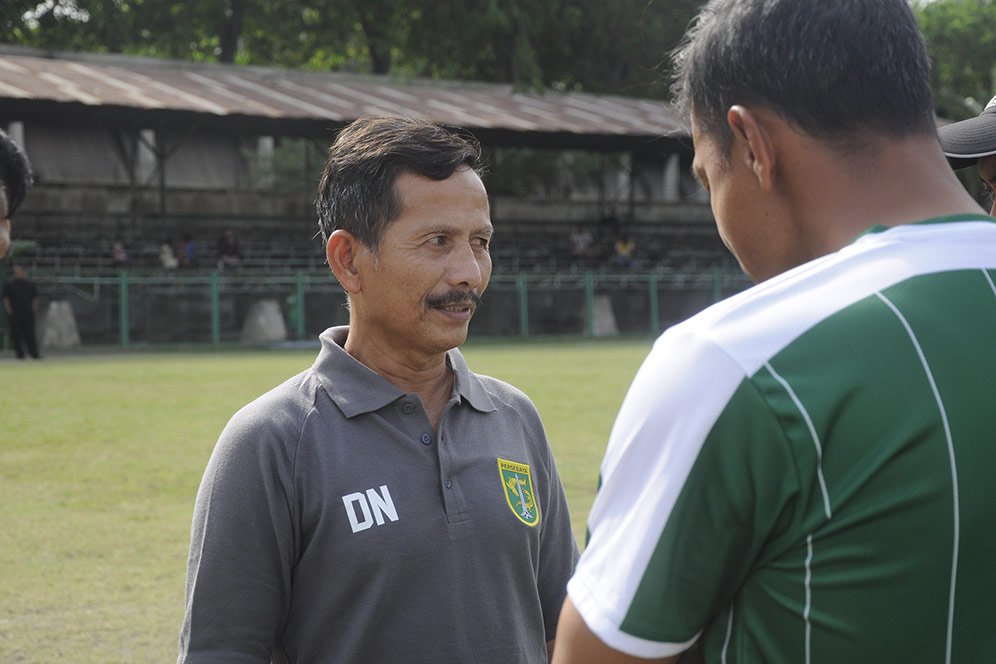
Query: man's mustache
x,y
453,297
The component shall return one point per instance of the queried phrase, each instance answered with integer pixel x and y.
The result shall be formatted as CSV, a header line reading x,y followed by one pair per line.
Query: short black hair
x,y
357,192
833,68
15,173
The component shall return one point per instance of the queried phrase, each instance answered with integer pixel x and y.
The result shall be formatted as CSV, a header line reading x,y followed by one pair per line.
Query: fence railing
x,y
215,308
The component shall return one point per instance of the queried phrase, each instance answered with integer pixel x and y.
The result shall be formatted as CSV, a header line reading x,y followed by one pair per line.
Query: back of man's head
x,y
15,176
357,193
832,68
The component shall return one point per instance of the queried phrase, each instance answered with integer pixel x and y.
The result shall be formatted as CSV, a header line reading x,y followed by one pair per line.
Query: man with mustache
x,y
387,505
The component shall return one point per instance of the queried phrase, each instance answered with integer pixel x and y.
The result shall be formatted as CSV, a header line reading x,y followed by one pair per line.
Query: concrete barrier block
x,y
605,318
57,326
264,323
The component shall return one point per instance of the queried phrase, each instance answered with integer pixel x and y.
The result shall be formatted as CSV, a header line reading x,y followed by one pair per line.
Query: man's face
x,y
987,172
727,187
418,289
751,222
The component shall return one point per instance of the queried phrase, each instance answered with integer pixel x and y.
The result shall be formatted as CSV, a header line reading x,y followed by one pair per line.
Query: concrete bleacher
x,y
85,244
539,247
86,247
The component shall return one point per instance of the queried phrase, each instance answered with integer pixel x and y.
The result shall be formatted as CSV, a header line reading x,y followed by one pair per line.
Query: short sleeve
x,y
696,472
558,552
242,547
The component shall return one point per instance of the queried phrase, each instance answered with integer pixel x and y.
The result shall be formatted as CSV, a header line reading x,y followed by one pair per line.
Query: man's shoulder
x,y
296,394
756,324
751,326
279,412
505,393
512,402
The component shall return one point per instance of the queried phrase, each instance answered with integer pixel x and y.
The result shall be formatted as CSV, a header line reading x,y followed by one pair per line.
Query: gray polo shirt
x,y
334,525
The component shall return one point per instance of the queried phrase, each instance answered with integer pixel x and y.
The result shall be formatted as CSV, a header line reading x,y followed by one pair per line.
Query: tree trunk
x,y
525,68
231,31
377,44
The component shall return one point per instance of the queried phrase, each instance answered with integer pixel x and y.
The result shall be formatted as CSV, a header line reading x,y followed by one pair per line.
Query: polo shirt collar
x,y
356,389
945,219
468,385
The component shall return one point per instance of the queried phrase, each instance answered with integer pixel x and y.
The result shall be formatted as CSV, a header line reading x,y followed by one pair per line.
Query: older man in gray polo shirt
x,y
387,505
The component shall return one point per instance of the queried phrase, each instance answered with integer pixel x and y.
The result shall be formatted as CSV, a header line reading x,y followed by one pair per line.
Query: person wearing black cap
x,y
972,142
15,178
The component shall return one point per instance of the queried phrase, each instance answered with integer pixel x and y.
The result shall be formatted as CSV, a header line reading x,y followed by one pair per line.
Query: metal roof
x,y
134,90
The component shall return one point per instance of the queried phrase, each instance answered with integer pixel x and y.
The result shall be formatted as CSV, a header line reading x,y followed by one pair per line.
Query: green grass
x,y
100,458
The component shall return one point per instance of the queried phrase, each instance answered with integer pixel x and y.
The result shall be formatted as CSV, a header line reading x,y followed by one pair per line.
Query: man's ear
x,y
341,251
755,139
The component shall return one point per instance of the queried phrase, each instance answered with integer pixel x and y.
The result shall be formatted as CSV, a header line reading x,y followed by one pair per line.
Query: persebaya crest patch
x,y
520,493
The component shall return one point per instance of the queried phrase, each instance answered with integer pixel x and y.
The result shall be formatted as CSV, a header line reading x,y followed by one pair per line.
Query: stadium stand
x,y
82,248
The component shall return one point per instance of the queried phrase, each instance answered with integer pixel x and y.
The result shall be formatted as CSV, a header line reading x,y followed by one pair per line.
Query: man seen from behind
x,y
804,472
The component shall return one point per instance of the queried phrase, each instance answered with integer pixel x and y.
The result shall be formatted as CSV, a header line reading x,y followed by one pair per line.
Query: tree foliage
x,y
591,45
185,29
961,37
613,46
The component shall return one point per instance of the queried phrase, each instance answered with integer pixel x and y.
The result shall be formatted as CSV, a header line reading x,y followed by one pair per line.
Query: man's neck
x,y
900,182
430,377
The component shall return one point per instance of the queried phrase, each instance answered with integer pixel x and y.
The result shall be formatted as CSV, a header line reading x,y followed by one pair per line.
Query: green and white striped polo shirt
x,y
806,472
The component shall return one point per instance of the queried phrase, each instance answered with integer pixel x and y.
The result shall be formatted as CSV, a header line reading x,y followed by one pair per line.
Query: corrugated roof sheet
x,y
224,90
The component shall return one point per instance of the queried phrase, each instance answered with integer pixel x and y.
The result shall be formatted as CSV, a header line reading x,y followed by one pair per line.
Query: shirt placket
x,y
454,504
453,499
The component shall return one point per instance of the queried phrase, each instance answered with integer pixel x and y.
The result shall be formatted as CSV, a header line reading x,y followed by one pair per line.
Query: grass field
x,y
100,458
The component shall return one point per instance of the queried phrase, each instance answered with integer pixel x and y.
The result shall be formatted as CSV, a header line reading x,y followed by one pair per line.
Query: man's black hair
x,y
15,173
833,68
357,191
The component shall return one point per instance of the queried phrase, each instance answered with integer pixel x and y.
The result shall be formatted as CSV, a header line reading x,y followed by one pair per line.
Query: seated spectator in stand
x,y
15,179
120,255
622,256
166,256
973,142
582,244
229,254
186,252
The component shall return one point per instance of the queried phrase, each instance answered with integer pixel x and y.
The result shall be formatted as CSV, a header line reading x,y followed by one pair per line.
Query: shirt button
x,y
407,408
448,483
426,439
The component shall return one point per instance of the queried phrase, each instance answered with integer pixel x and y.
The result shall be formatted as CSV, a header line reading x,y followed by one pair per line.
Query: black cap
x,y
964,142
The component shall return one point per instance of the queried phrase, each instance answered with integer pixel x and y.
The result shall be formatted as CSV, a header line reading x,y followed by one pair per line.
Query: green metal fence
x,y
129,309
